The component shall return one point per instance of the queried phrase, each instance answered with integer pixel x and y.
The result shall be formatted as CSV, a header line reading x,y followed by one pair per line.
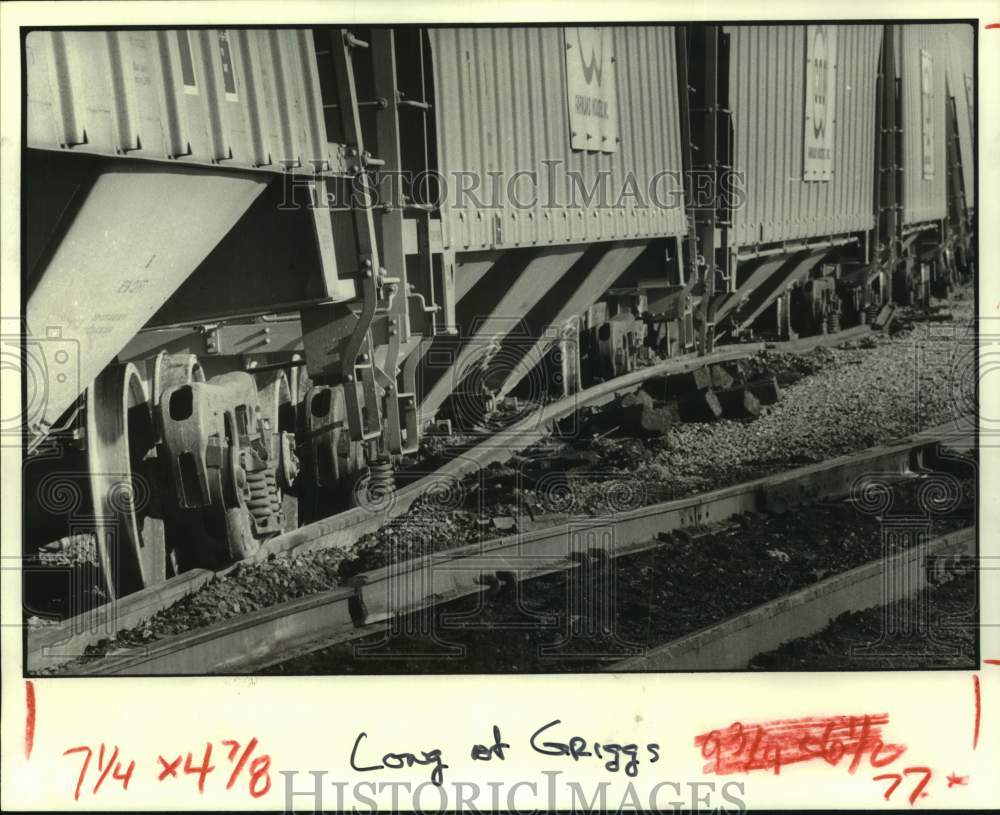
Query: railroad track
x,y
53,644
255,641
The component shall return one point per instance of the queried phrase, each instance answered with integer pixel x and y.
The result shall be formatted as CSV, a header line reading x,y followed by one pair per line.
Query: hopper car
x,y
259,264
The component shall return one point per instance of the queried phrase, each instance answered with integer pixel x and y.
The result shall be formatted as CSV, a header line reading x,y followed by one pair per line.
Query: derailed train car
x,y
259,263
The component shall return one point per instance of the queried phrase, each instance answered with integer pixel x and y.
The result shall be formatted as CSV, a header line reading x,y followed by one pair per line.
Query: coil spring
x,y
381,480
264,500
872,313
833,322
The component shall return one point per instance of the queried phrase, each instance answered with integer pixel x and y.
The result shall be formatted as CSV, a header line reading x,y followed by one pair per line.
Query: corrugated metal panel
x,y
236,98
501,107
961,76
767,95
924,199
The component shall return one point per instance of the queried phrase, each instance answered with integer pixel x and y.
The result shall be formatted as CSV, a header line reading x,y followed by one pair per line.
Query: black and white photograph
x,y
446,407
498,349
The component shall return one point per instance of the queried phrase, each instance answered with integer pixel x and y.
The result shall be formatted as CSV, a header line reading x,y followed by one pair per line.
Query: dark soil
x,y
943,634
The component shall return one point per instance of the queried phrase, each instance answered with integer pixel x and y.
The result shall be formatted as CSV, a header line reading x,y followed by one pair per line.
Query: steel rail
x,y
254,641
50,645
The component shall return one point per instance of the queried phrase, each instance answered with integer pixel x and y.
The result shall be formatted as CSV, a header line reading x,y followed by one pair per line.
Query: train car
x,y
932,158
797,114
587,117
960,116
920,62
260,264
209,187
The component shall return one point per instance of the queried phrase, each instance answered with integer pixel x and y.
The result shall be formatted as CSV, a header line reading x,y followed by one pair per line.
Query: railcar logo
x,y
927,113
970,102
819,83
590,89
817,148
595,65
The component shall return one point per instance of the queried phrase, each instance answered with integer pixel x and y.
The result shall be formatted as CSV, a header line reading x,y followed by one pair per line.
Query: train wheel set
x,y
261,266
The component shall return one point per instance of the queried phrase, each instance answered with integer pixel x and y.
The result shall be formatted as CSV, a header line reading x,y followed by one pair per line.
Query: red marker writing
x,y
29,719
741,748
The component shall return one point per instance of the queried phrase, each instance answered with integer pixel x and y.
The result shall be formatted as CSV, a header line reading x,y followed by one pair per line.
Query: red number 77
x,y
898,779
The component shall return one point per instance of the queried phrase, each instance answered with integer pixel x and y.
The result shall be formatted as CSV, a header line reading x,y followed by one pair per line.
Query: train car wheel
x,y
121,451
279,412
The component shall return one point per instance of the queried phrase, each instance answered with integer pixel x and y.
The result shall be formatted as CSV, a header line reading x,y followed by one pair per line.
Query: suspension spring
x,y
264,500
381,480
